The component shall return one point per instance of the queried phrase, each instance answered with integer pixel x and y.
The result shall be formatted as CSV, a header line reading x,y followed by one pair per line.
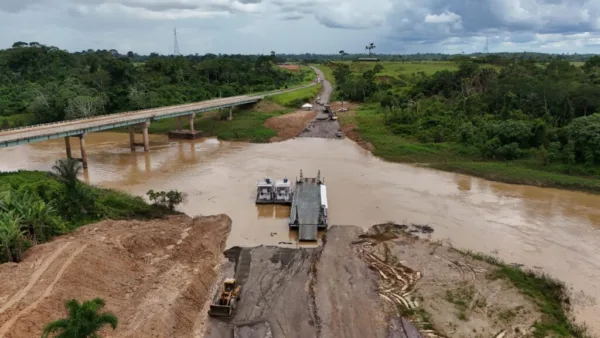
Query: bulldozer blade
x,y
220,311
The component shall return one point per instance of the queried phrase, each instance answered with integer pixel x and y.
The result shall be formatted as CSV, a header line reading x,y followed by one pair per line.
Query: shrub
x,y
168,199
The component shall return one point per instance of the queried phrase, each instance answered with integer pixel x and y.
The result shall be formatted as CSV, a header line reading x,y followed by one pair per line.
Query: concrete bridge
x,y
140,119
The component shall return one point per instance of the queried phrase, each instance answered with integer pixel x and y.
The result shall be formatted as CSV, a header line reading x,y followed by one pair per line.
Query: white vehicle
x,y
324,201
264,191
283,191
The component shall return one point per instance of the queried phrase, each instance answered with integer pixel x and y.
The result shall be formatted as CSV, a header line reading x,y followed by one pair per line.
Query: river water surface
x,y
550,230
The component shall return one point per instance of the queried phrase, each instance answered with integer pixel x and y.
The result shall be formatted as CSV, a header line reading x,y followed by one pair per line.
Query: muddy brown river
x,y
550,230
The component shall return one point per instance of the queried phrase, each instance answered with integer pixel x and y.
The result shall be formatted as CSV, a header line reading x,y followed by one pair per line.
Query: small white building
x,y
307,106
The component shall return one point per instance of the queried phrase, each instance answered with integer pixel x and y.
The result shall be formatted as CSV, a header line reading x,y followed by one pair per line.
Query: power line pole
x,y
175,43
486,48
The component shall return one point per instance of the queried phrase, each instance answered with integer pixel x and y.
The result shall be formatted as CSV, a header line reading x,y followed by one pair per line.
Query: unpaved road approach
x,y
361,285
316,292
321,126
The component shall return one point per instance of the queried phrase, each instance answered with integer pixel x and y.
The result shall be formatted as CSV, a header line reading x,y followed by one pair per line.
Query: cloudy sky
x,y
298,26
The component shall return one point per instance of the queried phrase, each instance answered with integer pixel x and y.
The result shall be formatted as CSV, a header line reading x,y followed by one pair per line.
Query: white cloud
x,y
320,26
443,18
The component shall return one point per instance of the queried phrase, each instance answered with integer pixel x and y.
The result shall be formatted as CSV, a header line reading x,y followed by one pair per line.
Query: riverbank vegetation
x,y
516,121
248,123
36,206
296,98
41,83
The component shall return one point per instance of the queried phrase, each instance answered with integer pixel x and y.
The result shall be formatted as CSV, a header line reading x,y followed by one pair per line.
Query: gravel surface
x,y
321,126
315,292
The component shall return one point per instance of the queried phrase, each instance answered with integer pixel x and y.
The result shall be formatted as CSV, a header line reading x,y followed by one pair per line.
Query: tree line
x,y
511,110
52,85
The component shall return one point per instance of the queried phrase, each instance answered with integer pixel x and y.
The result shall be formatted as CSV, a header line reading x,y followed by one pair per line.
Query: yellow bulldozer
x,y
225,300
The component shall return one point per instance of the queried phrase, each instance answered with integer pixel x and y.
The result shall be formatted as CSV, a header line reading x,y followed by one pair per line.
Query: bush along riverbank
x,y
551,296
36,206
365,125
509,120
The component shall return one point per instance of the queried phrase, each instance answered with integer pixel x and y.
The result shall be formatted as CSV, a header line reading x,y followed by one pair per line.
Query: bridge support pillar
x,y
186,134
230,113
132,138
146,138
83,152
191,121
68,146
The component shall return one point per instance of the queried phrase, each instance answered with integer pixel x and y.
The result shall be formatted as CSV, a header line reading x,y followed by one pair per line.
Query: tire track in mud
x,y
312,289
4,329
34,278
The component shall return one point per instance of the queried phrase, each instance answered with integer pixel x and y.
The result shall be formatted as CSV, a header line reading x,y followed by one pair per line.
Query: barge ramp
x,y
308,212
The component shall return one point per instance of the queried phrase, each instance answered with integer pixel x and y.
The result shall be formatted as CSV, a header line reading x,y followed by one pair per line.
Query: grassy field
x,y
247,125
296,98
328,72
459,158
394,69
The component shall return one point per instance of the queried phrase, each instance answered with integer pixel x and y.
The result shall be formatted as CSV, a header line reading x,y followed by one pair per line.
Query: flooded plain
x,y
550,230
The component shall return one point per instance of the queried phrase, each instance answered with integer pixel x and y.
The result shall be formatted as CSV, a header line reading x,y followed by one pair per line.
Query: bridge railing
x,y
135,112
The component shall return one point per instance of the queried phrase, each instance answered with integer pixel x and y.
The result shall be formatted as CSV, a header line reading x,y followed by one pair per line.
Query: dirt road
x,y
314,292
155,276
321,126
359,285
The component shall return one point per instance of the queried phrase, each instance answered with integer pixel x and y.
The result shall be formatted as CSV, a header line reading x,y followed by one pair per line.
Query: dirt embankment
x,y
155,276
383,283
289,125
442,291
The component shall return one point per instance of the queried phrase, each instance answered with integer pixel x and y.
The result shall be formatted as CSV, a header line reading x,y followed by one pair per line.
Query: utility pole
x,y
175,43
486,48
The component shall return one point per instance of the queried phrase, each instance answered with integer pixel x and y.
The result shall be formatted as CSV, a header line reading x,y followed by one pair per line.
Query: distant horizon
x,y
366,54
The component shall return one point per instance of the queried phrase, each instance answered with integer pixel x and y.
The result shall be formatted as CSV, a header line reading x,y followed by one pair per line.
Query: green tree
x,y
370,47
83,320
168,199
67,170
11,235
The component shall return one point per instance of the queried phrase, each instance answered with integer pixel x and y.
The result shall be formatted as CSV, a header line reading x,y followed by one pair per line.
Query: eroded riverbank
x,y
545,229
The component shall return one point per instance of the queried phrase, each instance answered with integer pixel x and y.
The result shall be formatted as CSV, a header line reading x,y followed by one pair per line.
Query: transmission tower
x,y
486,48
175,43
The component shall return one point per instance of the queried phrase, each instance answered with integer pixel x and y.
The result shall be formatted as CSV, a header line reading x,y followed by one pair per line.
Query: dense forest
x,y
41,83
519,109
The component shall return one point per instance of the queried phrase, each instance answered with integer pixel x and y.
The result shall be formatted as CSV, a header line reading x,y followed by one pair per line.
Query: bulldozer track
x,y
47,291
34,278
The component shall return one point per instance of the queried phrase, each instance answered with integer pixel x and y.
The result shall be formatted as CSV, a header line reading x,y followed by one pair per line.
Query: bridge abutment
x,y
190,134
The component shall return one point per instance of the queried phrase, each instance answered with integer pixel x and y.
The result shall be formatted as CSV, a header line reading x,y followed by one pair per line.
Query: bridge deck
x,y
306,209
42,132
